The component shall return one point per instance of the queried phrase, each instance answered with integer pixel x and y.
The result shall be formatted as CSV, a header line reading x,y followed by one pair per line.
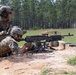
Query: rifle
x,y
45,38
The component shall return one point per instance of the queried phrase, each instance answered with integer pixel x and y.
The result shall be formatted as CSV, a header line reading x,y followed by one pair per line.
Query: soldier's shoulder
x,y
9,38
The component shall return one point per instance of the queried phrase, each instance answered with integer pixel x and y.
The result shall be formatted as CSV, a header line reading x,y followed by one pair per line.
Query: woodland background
x,y
43,14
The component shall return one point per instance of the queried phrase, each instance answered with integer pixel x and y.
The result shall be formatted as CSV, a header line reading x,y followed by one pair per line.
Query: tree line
x,y
37,14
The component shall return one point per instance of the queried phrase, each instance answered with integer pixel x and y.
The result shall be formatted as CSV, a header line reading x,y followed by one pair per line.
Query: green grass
x,y
71,39
50,71
68,73
65,73
45,71
72,61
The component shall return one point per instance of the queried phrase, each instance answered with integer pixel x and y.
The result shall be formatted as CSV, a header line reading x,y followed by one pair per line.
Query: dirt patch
x,y
33,64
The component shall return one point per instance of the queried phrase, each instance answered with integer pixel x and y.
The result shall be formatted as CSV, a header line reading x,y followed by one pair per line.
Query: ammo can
x,y
54,43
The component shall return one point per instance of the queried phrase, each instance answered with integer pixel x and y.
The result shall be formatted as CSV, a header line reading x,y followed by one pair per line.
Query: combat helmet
x,y
4,10
16,31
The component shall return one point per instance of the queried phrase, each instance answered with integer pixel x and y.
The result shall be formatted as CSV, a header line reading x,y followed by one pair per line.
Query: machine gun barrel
x,y
68,35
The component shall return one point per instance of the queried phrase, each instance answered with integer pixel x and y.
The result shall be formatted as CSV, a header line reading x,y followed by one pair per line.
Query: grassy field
x,y
71,39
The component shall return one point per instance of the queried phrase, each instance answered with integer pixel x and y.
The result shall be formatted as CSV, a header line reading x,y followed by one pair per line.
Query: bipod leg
x,y
52,48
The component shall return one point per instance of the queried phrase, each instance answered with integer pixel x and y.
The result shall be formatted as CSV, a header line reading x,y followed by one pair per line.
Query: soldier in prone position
x,y
5,20
9,45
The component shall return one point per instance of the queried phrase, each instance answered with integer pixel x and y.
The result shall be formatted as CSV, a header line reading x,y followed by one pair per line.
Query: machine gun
x,y
45,38
41,42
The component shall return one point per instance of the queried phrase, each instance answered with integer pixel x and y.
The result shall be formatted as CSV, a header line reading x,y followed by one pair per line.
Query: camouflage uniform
x,y
4,26
8,45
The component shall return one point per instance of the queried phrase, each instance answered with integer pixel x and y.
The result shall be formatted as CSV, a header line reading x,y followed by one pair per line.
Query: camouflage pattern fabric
x,y
8,45
4,26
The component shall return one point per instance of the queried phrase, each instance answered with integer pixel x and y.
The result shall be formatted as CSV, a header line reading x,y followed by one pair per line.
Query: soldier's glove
x,y
23,49
3,33
26,47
